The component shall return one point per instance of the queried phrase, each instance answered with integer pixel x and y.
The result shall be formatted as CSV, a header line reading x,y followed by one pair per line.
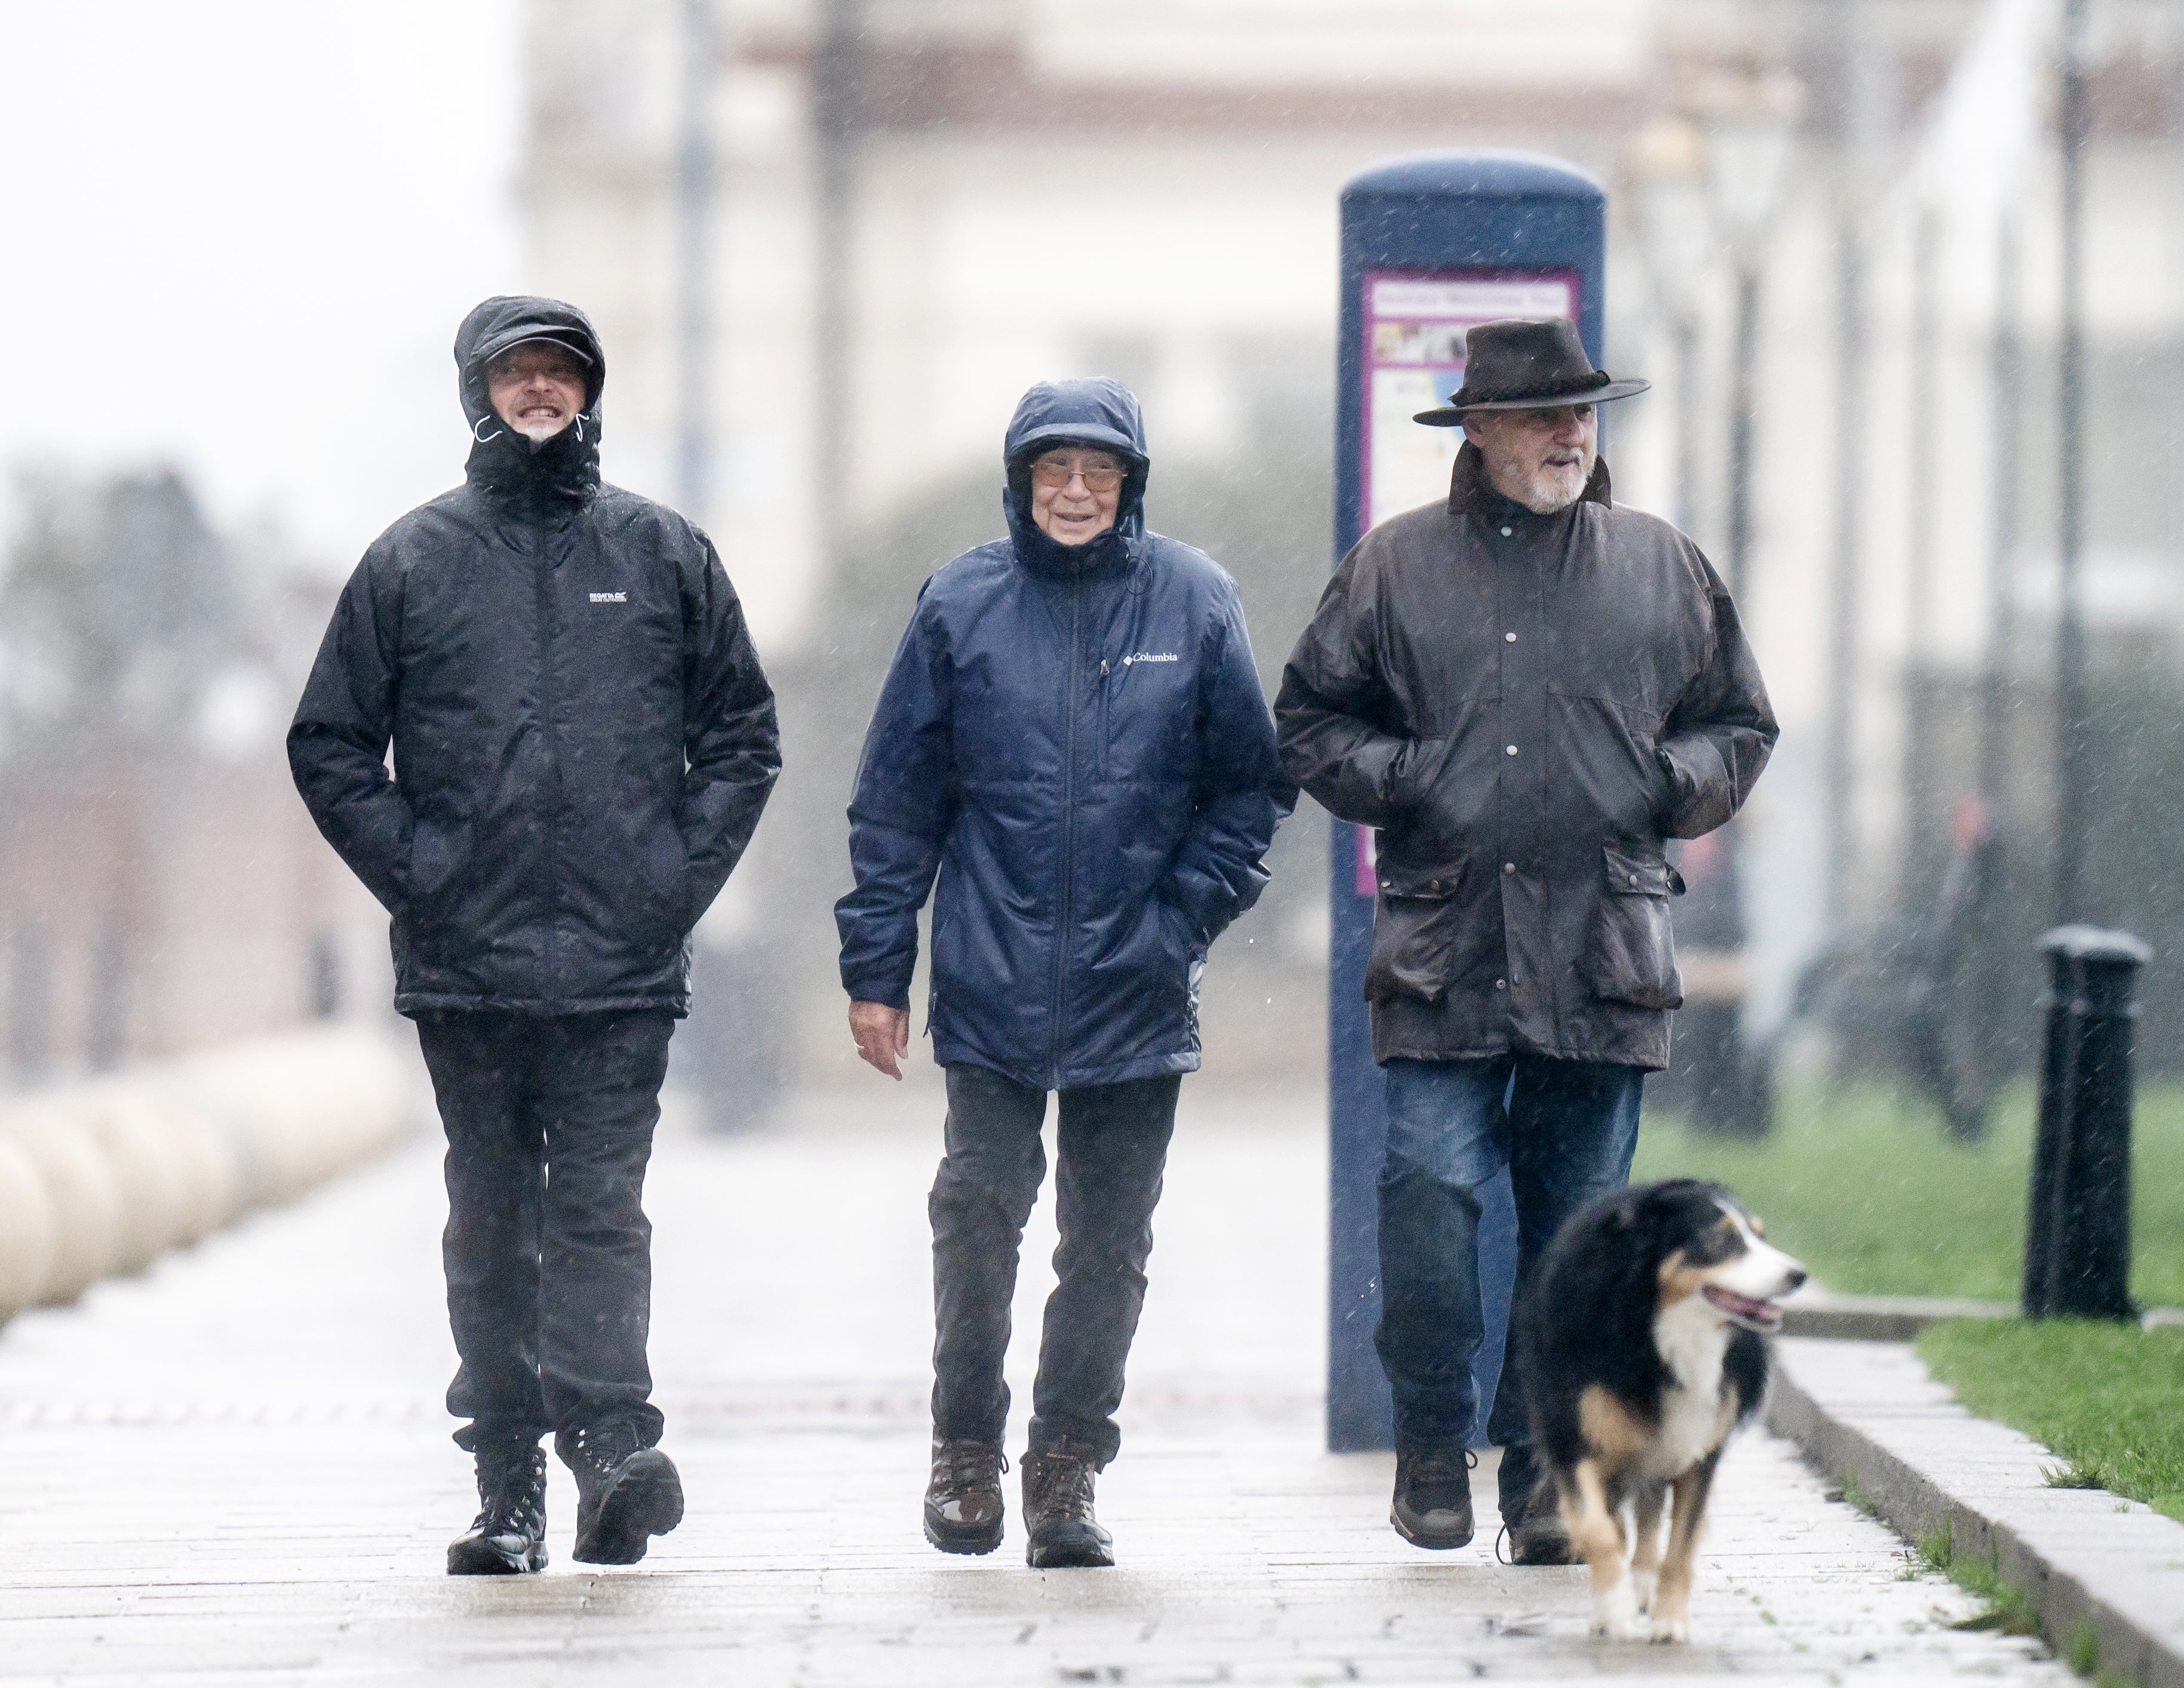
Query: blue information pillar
x,y
1431,244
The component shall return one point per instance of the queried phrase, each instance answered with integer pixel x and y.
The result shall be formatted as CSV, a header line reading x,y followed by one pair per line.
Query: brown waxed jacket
x,y
1524,706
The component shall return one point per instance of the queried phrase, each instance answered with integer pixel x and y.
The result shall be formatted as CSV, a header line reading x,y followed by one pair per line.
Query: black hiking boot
x,y
509,1537
1432,1507
1058,1517
963,1506
626,1493
1536,1536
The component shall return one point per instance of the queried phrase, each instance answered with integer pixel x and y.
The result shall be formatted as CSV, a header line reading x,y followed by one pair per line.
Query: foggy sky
x,y
240,235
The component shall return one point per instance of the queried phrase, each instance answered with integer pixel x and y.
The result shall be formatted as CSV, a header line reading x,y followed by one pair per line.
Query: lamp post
x,y
699,48
1726,180
1750,144
2072,731
1666,164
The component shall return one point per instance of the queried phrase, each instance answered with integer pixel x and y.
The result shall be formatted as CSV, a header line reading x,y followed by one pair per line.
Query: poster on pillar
x,y
1414,360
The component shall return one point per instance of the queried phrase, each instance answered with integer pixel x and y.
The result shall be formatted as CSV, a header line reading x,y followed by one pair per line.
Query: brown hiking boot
x,y
1537,1536
1058,1517
963,1505
1432,1507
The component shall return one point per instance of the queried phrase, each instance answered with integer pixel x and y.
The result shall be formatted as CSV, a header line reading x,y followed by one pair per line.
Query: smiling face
x,y
537,388
1075,491
1541,458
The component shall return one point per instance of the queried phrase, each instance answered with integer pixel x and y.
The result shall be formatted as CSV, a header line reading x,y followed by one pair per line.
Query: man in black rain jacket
x,y
1072,738
1524,690
582,742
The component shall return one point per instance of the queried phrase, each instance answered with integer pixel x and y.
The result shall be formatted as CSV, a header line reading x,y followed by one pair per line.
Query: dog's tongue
x,y
1743,1306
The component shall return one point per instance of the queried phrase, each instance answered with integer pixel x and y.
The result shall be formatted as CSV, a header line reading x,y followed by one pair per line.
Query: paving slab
x,y
1872,1413
236,1469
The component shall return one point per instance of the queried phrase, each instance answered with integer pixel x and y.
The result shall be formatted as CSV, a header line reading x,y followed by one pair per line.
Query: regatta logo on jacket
x,y
609,598
1151,656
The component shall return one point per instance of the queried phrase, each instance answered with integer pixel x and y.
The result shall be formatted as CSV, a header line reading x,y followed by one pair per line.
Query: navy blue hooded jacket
x,y
1073,738
582,736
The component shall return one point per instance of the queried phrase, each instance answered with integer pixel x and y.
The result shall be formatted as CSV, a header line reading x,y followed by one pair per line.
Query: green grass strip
x,y
2108,1398
1862,1183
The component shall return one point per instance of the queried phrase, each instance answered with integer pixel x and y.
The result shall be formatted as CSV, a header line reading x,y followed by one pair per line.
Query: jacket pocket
x,y
438,852
1418,932
664,916
1631,956
1188,959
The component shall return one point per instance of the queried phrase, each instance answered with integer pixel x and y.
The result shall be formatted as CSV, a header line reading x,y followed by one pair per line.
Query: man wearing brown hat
x,y
1525,690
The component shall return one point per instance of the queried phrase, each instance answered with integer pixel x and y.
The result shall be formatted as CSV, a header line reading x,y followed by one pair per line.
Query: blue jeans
x,y
1565,1129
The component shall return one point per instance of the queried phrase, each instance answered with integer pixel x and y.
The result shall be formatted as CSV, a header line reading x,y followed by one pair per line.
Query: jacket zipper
x,y
1068,837
550,733
1106,731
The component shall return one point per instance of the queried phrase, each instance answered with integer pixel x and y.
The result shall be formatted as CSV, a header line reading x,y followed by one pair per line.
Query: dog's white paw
x,y
1642,1583
1615,1613
1672,1630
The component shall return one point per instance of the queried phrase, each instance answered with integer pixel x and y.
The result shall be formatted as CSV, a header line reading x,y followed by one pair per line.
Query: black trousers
x,y
1114,1141
547,1251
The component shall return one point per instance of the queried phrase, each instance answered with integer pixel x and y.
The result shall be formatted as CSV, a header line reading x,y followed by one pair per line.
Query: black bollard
x,y
2077,1232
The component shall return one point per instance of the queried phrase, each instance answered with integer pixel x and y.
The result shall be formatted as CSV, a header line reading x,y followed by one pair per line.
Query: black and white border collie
x,y
1641,1332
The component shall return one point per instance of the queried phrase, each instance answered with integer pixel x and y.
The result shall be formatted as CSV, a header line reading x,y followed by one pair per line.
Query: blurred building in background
x,y
161,890
829,240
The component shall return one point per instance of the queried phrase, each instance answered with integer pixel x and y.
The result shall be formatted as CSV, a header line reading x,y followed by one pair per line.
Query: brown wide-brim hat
x,y
1518,364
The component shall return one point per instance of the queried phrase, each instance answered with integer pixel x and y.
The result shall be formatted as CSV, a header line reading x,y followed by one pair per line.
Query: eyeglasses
x,y
1096,479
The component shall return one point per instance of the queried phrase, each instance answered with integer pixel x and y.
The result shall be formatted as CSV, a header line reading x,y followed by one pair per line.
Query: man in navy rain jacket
x,y
582,742
1071,737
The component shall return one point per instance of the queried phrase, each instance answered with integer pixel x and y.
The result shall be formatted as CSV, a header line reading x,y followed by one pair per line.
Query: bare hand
x,y
882,1035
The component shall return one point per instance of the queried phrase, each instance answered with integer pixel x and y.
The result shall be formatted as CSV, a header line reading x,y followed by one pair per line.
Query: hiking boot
x,y
1432,1507
1058,1523
1536,1536
508,1535
625,1493
963,1506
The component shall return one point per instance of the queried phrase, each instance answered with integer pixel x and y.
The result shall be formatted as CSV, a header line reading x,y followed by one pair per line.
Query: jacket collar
x,y
1114,552
1471,494
547,477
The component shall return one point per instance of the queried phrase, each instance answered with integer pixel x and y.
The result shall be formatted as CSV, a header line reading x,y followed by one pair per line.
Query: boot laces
x,y
1065,1486
511,1492
964,1463
604,1447
1433,1475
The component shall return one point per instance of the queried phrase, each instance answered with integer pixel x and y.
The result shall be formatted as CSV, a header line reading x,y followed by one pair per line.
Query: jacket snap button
x,y
1508,867
1500,985
1509,638
1511,751
1634,878
1505,533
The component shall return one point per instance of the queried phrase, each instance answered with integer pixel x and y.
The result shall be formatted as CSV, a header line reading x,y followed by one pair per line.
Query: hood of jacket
x,y
503,463
1083,410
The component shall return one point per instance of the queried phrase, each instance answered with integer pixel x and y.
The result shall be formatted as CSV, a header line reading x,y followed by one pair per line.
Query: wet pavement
x,y
236,1469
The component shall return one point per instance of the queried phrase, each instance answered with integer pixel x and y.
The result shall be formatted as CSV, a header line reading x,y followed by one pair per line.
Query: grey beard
x,y
1546,496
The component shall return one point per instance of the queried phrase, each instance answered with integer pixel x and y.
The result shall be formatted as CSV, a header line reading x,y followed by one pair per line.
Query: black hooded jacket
x,y
582,736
